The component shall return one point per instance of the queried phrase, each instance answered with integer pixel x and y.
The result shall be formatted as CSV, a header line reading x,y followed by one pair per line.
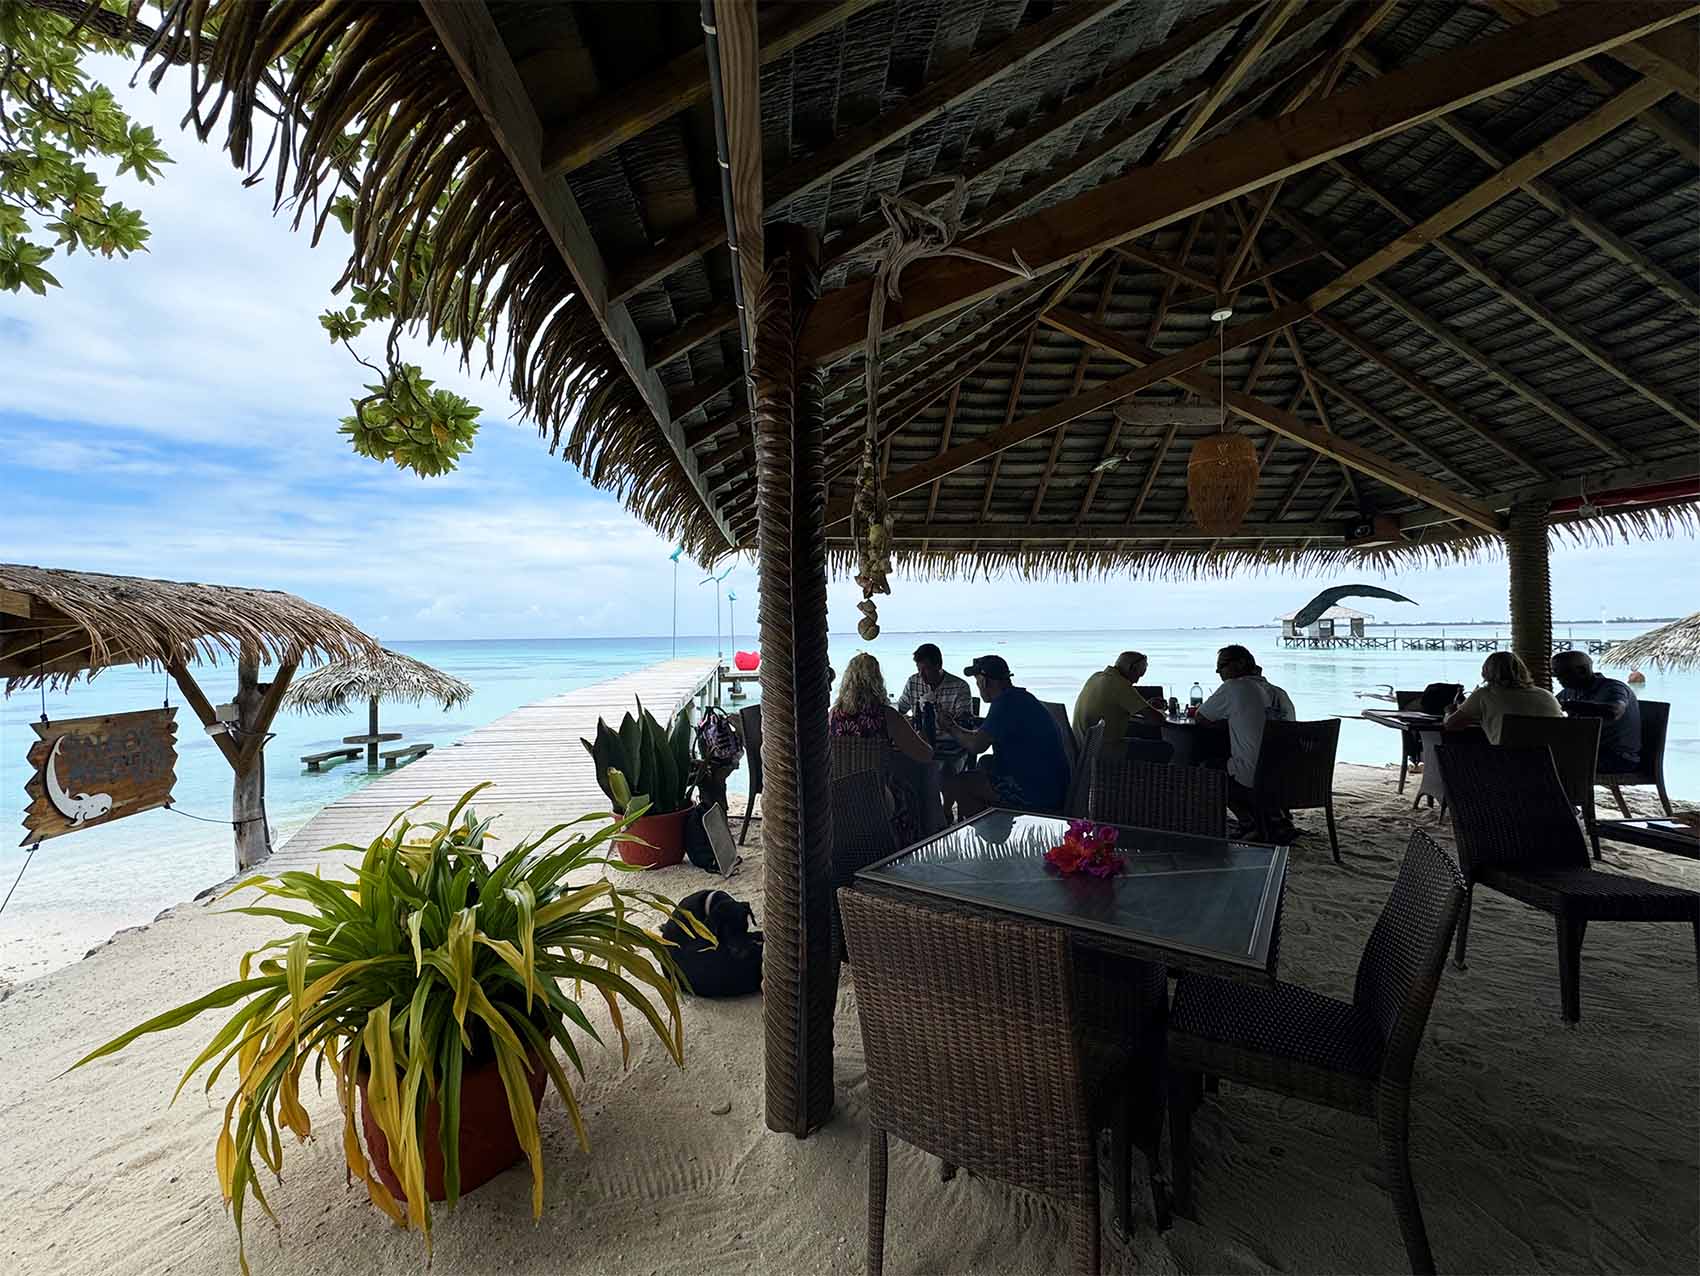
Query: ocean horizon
x,y
80,889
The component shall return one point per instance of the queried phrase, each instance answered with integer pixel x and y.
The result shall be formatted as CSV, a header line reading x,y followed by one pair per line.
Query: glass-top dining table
x,y
1188,902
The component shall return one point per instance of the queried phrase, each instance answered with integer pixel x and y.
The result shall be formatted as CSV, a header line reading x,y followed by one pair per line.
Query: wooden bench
x,y
396,757
316,761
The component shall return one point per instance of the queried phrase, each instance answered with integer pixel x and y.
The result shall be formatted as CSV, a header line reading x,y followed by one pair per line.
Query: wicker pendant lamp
x,y
1221,474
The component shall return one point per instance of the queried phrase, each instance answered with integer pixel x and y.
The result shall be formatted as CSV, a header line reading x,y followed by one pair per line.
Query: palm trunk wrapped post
x,y
800,977
1531,588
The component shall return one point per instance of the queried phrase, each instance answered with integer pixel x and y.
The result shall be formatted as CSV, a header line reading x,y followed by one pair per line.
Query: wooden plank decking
x,y
541,775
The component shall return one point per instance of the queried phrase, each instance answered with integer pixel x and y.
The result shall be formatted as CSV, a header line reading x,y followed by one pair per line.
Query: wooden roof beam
x,y
1094,532
469,36
632,110
1341,449
1157,459
1015,384
1105,291
1597,481
692,333
1562,207
857,144
697,435
693,397
1669,55
944,444
1246,159
1535,309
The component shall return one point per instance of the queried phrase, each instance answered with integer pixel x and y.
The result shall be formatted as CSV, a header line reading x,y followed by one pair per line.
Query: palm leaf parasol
x,y
1672,646
389,676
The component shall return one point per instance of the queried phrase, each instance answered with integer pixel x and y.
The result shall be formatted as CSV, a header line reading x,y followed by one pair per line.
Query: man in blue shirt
x,y
1587,694
1028,769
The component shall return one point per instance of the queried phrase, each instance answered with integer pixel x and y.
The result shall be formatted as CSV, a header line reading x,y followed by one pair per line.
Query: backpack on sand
x,y
731,966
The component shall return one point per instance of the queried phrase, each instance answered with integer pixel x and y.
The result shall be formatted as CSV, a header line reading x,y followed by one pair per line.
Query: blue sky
x,y
175,415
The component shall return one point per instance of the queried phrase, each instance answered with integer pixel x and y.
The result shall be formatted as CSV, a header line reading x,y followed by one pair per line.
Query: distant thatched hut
x,y
386,675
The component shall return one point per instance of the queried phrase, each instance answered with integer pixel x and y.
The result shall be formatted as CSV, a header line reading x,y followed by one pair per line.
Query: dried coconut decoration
x,y
1221,481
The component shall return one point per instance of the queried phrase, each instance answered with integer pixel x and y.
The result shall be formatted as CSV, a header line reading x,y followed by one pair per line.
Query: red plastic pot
x,y
747,661
665,835
488,1143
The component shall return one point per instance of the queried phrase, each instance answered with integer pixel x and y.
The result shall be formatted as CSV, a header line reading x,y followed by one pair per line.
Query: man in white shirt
x,y
1244,702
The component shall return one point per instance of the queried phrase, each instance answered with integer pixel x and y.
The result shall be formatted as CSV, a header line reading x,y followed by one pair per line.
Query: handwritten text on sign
x,y
89,771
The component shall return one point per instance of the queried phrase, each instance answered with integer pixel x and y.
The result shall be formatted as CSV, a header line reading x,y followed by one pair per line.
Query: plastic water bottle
x,y
1196,696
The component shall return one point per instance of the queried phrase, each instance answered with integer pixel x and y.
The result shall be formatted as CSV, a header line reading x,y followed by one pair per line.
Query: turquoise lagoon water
x,y
81,888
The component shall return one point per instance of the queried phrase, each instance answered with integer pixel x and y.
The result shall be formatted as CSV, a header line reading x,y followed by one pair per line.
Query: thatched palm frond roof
x,y
56,624
390,676
1672,646
1539,347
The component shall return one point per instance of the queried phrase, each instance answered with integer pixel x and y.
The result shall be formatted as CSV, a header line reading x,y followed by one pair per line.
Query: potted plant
x,y
645,769
435,983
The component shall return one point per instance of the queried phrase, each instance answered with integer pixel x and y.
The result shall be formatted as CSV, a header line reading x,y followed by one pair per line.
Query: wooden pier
x,y
1426,642
541,773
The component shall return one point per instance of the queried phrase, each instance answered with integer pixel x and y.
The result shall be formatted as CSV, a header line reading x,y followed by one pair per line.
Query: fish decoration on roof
x,y
1312,611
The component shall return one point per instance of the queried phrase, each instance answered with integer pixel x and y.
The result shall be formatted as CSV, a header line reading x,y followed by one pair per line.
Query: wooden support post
x,y
372,730
800,972
248,794
1526,553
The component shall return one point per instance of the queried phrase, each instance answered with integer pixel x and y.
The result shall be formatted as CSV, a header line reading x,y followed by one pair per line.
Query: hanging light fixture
x,y
1221,473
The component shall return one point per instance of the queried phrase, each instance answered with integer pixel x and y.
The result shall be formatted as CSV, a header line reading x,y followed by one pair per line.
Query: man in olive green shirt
x,y
1109,697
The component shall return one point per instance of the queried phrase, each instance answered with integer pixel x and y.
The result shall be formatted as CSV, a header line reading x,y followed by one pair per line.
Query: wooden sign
x,y
90,771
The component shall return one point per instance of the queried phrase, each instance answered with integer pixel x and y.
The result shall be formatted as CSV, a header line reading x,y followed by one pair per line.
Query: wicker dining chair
x,y
973,1053
1071,742
1152,795
1655,726
1575,747
1295,772
749,725
1356,1056
862,834
1517,833
1080,776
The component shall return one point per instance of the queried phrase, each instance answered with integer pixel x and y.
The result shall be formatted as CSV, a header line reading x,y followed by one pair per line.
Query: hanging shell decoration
x,y
1221,480
913,231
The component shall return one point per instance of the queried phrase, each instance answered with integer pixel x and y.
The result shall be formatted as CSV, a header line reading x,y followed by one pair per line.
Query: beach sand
x,y
1536,1147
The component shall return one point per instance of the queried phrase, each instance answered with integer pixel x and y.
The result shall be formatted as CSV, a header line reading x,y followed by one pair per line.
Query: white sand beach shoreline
x,y
1536,1147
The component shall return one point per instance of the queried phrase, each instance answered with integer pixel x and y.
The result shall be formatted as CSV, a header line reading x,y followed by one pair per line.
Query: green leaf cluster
x,y
53,121
405,419
438,955
642,764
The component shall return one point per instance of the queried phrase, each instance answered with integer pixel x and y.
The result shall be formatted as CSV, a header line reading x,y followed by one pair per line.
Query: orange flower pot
x,y
665,835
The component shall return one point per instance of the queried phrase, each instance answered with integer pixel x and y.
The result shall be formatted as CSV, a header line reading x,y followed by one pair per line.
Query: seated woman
x,y
1507,689
863,709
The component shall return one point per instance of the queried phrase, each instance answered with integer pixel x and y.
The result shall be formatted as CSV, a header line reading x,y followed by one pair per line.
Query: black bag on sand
x,y
730,967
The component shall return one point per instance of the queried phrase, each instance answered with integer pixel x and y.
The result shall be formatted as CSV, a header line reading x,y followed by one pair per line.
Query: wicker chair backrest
x,y
862,833
1154,795
853,753
1510,810
1655,726
1076,805
749,725
1400,968
1065,732
1295,764
968,1035
1573,742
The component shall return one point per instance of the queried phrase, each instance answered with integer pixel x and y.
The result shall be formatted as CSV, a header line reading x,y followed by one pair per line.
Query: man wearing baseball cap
x,y
1028,768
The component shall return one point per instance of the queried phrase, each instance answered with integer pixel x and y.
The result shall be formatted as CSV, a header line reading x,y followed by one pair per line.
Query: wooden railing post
x,y
800,976
1527,557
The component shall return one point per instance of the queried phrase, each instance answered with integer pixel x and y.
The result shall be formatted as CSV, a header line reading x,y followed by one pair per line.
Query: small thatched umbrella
x,y
1672,646
391,676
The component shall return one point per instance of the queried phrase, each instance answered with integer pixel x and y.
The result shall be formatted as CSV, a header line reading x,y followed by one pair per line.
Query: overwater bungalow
x,y
958,287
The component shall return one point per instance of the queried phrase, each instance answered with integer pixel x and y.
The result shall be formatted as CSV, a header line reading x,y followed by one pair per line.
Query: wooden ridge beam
x,y
1093,532
1246,159
469,36
857,144
1533,308
632,110
1341,449
1043,422
1562,206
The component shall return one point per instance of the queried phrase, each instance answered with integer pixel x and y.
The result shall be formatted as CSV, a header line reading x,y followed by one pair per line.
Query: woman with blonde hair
x,y
862,708
1507,690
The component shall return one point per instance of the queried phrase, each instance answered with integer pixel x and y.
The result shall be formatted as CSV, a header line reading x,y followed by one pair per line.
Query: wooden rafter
x,y
692,333
1015,384
1096,532
469,36
1275,16
1308,387
1665,55
856,145
1346,451
1246,159
1653,473
693,398
944,444
1105,291
1157,459
1533,308
1562,206
634,109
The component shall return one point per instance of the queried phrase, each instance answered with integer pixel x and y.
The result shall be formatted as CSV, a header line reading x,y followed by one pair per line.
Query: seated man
x,y
1028,769
949,695
1587,694
1110,697
1278,697
1244,702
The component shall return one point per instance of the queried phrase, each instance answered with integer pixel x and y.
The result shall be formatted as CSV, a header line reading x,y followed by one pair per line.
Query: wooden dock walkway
x,y
541,774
